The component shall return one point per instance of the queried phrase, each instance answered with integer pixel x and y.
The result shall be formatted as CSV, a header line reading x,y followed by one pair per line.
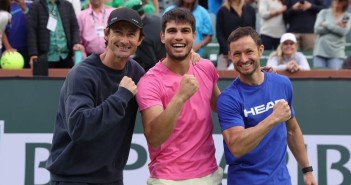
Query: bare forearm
x,y
5,41
163,125
249,138
215,93
297,146
207,39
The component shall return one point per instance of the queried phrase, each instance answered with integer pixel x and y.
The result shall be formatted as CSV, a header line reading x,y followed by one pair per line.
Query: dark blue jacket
x,y
94,123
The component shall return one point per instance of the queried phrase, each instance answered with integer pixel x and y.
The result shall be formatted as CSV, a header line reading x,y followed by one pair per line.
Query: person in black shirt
x,y
151,49
233,14
300,18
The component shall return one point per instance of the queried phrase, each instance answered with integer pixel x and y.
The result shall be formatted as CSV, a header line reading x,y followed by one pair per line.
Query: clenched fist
x,y
188,86
281,111
129,84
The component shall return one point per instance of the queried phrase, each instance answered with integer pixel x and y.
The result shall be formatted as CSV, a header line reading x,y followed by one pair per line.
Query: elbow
x,y
78,130
75,131
152,141
290,134
154,145
237,153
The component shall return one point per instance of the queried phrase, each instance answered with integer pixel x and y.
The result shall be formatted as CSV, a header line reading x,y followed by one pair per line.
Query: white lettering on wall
x,y
12,158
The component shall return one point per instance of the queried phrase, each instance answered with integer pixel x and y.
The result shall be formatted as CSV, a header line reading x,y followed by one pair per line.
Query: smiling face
x,y
178,38
288,48
245,55
123,38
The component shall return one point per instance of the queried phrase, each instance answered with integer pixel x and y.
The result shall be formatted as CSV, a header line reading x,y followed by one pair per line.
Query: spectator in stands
x,y
5,18
92,22
151,49
111,3
233,14
204,30
300,18
272,25
152,6
16,33
286,57
331,27
53,32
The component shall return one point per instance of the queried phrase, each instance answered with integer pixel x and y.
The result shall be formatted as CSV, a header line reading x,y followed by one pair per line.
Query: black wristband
x,y
307,169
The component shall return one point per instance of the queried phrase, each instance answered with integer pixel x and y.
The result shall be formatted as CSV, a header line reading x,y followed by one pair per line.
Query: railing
x,y
316,74
313,74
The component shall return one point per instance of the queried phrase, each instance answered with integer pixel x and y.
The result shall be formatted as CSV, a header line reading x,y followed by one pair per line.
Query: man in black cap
x,y
97,109
151,49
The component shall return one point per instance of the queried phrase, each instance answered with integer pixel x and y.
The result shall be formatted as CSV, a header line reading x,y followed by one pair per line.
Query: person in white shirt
x,y
272,25
286,56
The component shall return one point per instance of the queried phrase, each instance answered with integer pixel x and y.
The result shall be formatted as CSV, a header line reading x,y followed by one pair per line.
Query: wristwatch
x,y
307,169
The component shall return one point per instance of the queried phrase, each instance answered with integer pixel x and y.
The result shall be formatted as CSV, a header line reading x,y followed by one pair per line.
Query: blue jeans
x,y
324,62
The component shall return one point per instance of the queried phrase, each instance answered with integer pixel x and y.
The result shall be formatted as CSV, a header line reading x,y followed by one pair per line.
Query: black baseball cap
x,y
124,14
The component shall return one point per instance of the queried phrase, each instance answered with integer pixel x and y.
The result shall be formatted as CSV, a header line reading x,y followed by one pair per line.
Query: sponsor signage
x,y
23,157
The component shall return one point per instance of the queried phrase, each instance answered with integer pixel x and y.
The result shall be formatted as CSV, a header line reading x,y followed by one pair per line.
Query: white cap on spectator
x,y
288,36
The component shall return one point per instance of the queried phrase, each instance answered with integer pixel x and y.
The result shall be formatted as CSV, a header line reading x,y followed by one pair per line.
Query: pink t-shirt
x,y
91,29
189,152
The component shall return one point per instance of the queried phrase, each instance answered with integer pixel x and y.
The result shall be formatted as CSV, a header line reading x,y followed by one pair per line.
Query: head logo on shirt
x,y
260,108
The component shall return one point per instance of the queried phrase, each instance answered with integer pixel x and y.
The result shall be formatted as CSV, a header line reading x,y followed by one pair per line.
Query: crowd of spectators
x,y
56,29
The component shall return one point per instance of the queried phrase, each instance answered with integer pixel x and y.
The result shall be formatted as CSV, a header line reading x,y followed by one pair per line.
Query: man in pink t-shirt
x,y
175,99
92,22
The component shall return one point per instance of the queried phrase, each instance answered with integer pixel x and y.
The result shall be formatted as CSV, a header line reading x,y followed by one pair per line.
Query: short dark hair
x,y
178,15
243,32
